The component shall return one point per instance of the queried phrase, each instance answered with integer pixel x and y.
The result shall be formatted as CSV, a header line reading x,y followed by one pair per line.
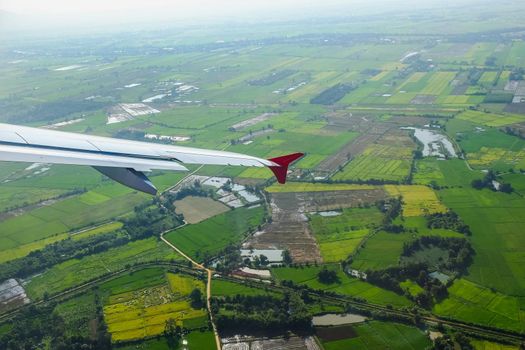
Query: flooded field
x,y
434,143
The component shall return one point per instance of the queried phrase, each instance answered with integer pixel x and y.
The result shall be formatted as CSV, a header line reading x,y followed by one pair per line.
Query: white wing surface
x,y
122,160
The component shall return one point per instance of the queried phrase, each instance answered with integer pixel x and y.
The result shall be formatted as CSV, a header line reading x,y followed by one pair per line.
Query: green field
x,y
346,286
381,335
495,219
378,162
471,302
78,271
339,236
203,240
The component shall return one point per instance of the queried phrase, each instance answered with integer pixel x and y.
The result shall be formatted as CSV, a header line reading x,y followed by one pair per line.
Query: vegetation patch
x,y
417,200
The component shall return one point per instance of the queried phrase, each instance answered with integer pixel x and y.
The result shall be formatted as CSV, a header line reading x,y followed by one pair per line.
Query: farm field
x,y
78,271
379,162
197,209
136,313
495,219
345,286
339,236
340,91
202,240
417,200
473,303
374,335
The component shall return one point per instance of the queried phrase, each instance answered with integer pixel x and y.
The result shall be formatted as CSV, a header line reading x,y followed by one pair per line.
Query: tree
x,y
287,257
196,299
327,276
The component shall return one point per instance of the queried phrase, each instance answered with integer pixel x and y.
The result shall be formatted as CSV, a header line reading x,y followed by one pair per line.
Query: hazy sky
x,y
46,7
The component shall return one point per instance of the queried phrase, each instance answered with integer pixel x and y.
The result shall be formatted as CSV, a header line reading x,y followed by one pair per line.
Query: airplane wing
x,y
122,160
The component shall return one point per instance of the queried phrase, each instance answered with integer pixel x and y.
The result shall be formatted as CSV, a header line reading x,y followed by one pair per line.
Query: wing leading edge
x,y
122,160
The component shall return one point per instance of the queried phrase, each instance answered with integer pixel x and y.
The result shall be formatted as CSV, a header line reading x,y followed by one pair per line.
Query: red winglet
x,y
281,170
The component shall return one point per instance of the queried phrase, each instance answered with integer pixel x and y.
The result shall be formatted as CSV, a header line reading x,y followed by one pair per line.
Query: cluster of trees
x,y
35,325
447,342
271,78
391,209
418,272
488,182
333,94
250,314
459,258
58,252
326,276
230,259
150,221
449,220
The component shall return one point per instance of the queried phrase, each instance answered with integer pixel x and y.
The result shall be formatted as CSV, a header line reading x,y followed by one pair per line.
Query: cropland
x,y
406,212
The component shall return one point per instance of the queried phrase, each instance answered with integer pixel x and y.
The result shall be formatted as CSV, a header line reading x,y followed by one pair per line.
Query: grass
x,y
347,285
490,119
208,237
471,302
452,172
380,162
77,271
381,251
222,288
417,200
339,236
377,335
315,187
66,215
496,220
77,313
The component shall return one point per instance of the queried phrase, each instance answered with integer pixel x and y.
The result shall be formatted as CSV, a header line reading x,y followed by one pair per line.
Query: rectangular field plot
x,y
496,221
339,236
345,286
375,335
417,200
471,302
438,83
380,162
491,119
143,312
208,237
77,271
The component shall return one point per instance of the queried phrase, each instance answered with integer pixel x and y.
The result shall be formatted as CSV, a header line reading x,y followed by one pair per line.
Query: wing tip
x,y
281,170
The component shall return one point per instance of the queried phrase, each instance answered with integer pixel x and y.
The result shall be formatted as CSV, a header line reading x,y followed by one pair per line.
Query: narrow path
x,y
208,284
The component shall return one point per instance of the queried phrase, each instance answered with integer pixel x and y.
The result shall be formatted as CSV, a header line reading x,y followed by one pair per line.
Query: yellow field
x,y
486,156
183,285
437,83
417,199
318,187
143,313
491,119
